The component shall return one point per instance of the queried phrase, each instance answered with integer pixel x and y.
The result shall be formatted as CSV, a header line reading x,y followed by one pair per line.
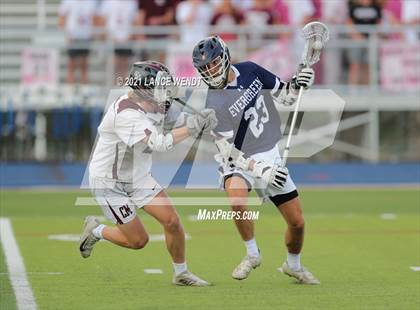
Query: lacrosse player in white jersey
x,y
119,170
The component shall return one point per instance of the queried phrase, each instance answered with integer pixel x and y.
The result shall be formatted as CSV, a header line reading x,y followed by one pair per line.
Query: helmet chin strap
x,y
225,80
164,91
160,92
227,75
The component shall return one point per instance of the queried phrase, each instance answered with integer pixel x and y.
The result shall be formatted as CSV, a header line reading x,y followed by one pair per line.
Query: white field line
x,y
38,273
415,268
75,238
179,201
193,217
388,216
153,271
17,274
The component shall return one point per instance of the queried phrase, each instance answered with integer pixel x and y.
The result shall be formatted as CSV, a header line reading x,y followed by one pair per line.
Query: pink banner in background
x,y
179,60
39,67
400,66
276,58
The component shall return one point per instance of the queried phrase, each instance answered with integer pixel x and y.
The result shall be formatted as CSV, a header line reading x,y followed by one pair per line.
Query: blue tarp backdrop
x,y
28,175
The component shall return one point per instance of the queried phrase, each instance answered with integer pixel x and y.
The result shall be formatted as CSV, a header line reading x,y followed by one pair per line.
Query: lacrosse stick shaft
x,y
292,128
183,103
316,35
195,111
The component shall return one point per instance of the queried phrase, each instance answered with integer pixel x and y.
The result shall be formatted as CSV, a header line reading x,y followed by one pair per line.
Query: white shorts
x,y
119,200
263,189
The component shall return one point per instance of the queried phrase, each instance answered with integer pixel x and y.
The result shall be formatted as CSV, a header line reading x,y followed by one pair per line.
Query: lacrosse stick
x,y
316,35
188,106
165,89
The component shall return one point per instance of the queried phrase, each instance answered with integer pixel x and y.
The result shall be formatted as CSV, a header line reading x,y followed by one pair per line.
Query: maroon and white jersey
x,y
119,153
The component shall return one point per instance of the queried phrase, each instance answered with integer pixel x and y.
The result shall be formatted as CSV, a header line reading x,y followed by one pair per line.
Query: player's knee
x,y
172,224
238,205
297,223
139,243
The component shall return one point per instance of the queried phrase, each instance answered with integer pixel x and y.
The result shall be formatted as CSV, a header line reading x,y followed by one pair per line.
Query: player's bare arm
x,y
195,125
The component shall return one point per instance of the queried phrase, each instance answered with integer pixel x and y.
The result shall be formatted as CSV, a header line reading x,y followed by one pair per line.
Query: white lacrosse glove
x,y
305,78
220,159
204,122
271,174
288,94
230,155
160,142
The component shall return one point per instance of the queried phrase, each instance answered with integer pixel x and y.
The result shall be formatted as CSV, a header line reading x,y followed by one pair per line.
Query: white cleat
x,y
188,279
303,275
248,263
87,239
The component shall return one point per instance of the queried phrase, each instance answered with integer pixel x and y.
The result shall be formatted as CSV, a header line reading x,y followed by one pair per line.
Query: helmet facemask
x,y
215,74
152,81
165,90
211,58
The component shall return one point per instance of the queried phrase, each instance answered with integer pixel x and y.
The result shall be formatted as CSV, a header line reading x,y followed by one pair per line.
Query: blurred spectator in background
x,y
361,12
391,10
410,15
193,17
391,15
333,13
242,5
281,12
402,12
258,17
76,18
317,5
120,16
24,130
156,13
299,13
225,16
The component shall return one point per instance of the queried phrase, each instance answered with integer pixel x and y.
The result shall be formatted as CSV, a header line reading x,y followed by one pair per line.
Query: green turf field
x,y
361,259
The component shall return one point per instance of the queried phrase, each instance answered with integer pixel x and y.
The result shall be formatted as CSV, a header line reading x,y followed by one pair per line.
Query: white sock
x,y
252,248
97,232
293,260
180,268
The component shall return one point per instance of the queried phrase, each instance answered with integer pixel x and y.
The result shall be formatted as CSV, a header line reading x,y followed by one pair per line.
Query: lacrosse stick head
x,y
316,35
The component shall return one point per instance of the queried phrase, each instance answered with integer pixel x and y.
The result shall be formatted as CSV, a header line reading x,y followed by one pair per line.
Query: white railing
x,y
55,38
370,99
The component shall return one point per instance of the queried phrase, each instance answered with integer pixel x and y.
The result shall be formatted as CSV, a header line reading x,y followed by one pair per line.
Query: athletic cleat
x,y
188,279
303,276
87,239
245,267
